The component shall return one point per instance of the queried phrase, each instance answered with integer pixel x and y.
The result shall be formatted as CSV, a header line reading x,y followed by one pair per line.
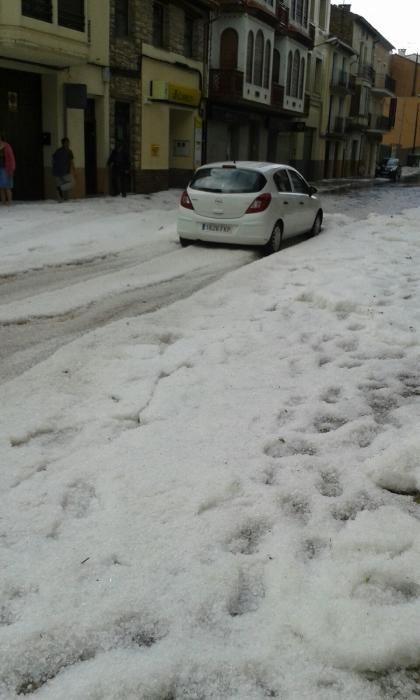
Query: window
x,y
229,50
318,76
299,184
323,14
267,64
121,18
250,57
158,24
301,78
38,9
189,36
295,74
228,180
276,67
259,59
289,73
71,14
282,182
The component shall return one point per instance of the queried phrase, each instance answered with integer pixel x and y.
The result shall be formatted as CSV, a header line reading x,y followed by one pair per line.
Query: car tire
x,y
275,241
317,225
185,241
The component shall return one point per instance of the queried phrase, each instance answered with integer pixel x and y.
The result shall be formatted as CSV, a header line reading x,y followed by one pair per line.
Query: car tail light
x,y
186,201
259,204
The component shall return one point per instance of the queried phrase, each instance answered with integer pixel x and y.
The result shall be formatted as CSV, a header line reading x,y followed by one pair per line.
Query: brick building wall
x,y
125,72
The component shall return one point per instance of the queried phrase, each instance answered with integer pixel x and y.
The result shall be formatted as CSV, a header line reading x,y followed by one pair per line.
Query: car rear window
x,y
391,161
228,180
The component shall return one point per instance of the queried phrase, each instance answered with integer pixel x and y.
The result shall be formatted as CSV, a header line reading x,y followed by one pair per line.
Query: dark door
x,y
91,169
122,128
21,122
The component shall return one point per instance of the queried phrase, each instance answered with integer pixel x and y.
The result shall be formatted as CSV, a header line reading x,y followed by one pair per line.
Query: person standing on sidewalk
x,y
119,162
7,169
63,170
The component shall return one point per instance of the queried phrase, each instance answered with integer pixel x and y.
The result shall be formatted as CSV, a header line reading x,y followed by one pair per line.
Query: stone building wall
x,y
125,72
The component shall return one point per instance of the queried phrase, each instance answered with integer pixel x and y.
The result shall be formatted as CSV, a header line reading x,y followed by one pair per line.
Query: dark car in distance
x,y
390,167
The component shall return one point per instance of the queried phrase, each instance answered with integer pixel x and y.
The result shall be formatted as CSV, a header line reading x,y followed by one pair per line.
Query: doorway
x,y
21,122
91,170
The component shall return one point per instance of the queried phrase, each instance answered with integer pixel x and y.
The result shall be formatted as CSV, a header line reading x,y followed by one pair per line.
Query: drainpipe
x,y
414,91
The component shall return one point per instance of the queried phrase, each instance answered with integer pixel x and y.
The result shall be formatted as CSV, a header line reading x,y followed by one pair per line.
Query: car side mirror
x,y
312,190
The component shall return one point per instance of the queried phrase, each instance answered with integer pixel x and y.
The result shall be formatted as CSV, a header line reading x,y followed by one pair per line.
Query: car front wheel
x,y
274,243
316,226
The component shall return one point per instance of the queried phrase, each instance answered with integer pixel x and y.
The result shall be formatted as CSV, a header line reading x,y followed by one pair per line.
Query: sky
x,y
219,499
399,23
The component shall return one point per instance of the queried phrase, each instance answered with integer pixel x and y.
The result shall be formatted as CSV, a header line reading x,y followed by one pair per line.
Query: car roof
x,y
247,164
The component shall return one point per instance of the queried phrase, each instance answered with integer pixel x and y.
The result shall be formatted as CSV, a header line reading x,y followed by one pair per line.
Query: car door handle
x,y
302,204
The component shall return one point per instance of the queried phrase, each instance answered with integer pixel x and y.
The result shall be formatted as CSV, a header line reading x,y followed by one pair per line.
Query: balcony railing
x,y
71,14
366,72
385,82
339,79
38,9
226,83
282,18
378,122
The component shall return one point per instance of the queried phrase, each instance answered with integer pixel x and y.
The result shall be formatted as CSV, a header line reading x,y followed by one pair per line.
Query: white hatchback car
x,y
248,203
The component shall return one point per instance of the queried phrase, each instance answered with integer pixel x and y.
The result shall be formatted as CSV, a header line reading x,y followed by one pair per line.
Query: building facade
x,y
258,71
54,82
403,140
158,87
368,120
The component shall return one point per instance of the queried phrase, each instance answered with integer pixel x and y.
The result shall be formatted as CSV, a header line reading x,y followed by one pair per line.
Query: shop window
x,y
229,50
250,57
71,14
122,27
158,24
38,9
189,36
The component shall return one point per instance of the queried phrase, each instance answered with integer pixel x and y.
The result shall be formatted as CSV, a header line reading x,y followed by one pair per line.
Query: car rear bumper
x,y
251,229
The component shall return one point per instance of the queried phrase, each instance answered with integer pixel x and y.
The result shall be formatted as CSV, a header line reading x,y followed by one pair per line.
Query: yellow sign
x,y
155,149
172,92
183,95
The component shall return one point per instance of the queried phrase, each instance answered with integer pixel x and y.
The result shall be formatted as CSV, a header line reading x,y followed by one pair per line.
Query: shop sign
x,y
172,92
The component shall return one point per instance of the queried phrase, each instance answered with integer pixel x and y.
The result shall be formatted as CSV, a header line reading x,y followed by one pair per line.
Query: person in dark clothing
x,y
119,162
63,169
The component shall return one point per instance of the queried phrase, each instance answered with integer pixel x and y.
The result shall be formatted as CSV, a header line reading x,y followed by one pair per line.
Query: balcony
x,y
282,19
384,86
38,9
226,84
50,33
357,122
366,72
340,82
378,122
337,126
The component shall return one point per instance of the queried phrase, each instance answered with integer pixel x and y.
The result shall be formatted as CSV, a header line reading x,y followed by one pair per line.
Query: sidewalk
x,y
349,183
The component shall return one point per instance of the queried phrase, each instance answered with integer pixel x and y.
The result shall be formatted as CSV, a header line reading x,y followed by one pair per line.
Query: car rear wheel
x,y
275,240
317,225
185,241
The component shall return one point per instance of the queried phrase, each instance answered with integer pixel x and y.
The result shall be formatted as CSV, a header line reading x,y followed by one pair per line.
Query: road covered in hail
x,y
218,499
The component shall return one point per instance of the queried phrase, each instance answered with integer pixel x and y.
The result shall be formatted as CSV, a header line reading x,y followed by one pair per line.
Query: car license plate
x,y
219,228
